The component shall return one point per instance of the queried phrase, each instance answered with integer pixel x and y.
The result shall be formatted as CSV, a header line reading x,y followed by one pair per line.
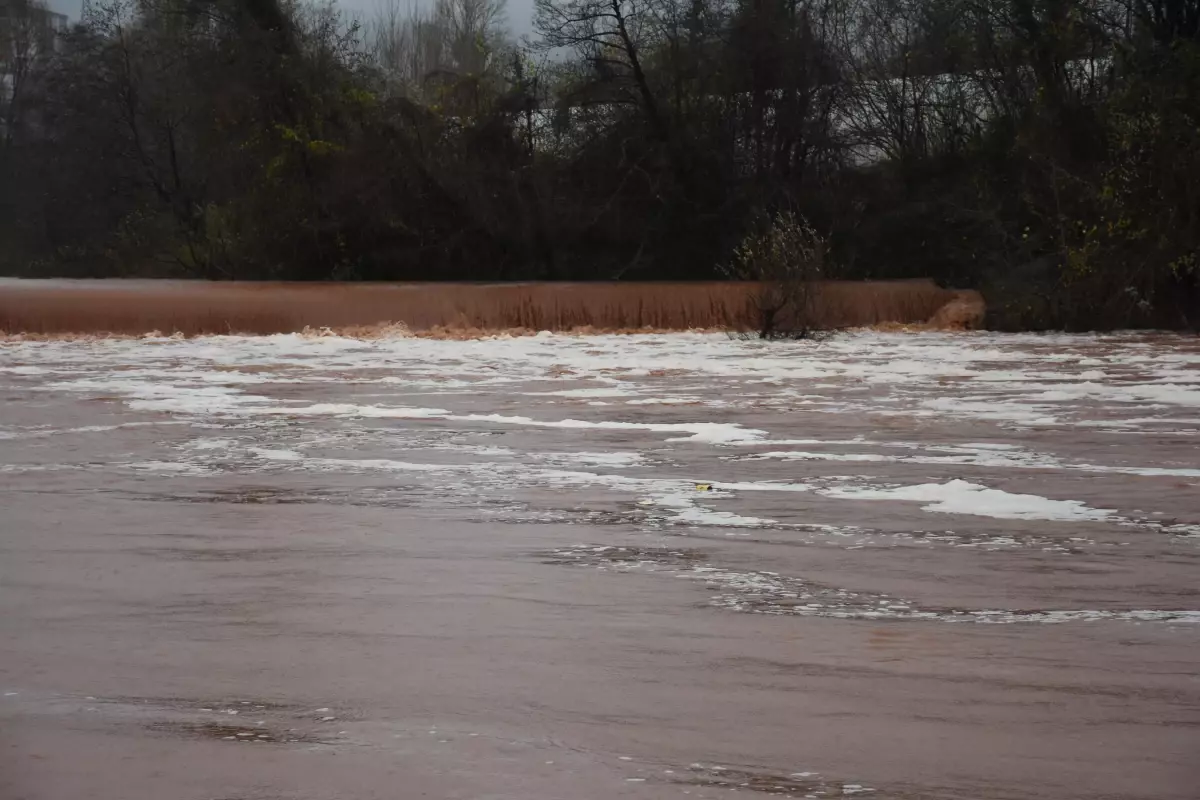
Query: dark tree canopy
x,y
1045,151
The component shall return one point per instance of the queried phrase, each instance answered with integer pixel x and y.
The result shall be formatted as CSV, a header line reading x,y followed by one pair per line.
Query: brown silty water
x,y
661,566
193,307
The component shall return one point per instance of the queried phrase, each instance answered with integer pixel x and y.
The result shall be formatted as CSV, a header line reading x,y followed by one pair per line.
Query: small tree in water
x,y
787,258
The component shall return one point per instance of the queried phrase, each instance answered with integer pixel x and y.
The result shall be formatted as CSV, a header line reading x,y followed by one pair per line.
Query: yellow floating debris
x,y
703,487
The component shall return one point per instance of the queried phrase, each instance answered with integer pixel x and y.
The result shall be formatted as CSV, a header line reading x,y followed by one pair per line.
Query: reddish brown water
x,y
195,307
320,569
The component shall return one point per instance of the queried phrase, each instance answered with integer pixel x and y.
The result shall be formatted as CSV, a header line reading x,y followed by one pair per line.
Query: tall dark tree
x,y
1043,150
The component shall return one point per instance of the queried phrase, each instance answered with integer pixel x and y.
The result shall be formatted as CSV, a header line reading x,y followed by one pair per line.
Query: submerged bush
x,y
788,258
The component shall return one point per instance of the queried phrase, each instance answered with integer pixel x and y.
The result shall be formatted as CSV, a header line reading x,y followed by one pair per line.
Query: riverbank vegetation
x,y
1046,152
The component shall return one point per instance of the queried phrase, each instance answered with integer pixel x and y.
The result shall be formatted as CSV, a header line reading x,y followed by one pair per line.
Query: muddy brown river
x,y
581,568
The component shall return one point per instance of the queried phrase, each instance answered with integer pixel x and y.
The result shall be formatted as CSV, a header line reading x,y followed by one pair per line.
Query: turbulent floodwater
x,y
901,566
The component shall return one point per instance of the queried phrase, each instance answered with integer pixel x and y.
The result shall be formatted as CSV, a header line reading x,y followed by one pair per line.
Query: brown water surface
x,y
240,568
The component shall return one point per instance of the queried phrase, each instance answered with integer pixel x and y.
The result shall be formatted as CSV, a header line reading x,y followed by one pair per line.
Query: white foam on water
x,y
684,509
604,391
43,432
473,449
352,411
617,460
1149,472
441,384
1167,393
275,455
762,486
321,464
762,592
962,497
169,468
25,370
668,401
220,400
997,410
211,444
798,455
1006,381
988,446
979,457
137,388
17,469
1013,380
709,432
1138,421
681,497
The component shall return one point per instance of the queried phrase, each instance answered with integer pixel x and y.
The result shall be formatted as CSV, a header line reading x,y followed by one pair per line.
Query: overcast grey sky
x,y
520,12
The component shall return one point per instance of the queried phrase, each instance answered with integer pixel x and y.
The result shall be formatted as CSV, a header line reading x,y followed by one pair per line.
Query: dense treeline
x,y
1046,151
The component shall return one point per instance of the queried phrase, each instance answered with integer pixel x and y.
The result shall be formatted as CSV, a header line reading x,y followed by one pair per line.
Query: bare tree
x,y
27,31
612,37
450,50
912,94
